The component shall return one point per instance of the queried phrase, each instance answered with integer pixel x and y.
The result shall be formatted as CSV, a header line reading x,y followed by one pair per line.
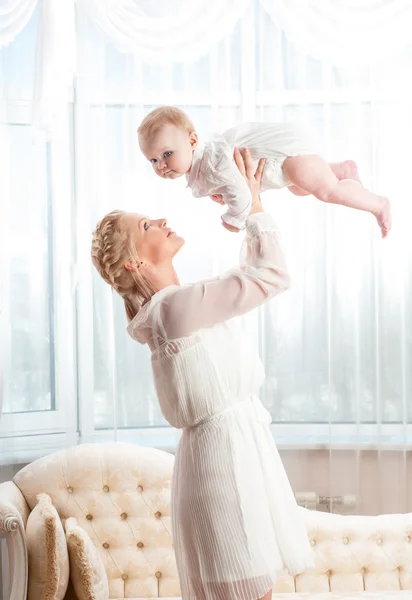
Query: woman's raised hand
x,y
253,178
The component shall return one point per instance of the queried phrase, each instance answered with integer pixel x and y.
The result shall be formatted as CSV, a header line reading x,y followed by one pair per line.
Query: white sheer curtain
x,y
345,32
55,53
14,16
337,347
165,31
55,66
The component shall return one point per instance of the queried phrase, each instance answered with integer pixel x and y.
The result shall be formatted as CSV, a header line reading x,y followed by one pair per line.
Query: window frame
x,y
28,435
63,417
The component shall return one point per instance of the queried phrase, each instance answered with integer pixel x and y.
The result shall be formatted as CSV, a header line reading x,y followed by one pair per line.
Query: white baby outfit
x,y
236,525
214,171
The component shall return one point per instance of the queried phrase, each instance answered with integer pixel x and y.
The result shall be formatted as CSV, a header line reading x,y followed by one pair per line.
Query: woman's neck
x,y
165,275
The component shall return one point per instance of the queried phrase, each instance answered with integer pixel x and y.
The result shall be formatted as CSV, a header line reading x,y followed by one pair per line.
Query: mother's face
x,y
156,244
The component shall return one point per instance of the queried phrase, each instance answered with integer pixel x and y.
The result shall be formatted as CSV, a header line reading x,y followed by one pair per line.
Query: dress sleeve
x,y
261,275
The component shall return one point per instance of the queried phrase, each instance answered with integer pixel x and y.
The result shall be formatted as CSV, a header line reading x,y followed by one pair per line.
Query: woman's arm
x,y
263,274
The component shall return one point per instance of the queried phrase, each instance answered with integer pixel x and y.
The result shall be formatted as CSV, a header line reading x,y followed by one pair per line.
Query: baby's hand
x,y
230,227
217,198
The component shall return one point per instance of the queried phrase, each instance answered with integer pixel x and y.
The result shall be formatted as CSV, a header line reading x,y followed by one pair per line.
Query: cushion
x,y
47,552
87,571
70,594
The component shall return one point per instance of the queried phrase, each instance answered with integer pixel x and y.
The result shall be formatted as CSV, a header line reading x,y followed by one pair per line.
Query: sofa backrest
x,y
355,553
120,494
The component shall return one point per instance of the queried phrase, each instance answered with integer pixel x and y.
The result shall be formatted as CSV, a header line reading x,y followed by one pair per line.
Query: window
x,y
336,347
37,327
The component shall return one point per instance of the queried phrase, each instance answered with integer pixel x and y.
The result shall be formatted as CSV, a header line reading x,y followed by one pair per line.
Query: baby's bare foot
x,y
384,216
351,170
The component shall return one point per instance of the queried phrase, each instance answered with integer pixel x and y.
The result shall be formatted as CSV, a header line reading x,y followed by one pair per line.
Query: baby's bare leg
x,y
297,190
347,169
313,174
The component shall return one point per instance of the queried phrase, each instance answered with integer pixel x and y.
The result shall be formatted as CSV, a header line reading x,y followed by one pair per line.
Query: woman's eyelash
x,y
146,226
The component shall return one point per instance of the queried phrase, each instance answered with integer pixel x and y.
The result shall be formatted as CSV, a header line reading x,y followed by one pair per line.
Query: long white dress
x,y
236,525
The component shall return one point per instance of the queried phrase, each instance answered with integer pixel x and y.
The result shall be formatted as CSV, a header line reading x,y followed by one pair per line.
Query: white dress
x,y
214,171
236,525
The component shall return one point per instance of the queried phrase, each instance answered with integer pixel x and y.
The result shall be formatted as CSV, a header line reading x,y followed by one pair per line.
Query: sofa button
x,y
106,545
124,576
158,515
329,573
89,517
312,543
158,574
123,516
70,490
410,537
379,541
106,488
140,545
345,540
140,488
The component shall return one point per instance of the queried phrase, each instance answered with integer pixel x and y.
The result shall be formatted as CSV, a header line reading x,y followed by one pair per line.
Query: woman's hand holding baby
x,y
253,178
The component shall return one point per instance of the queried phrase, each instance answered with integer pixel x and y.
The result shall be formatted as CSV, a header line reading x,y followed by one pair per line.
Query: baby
x,y
169,141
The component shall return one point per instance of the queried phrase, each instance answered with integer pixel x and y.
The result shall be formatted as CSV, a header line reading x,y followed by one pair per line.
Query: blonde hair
x,y
112,246
164,115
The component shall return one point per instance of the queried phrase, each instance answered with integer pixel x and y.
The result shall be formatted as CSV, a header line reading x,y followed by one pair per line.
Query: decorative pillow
x,y
70,594
47,552
87,571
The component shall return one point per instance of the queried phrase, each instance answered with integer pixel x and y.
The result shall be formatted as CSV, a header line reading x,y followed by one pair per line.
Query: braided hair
x,y
112,247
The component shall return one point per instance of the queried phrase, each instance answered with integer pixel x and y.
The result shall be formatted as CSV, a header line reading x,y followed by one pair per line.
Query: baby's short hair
x,y
164,115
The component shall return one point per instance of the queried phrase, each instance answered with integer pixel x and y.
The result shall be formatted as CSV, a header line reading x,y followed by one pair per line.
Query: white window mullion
x,y
248,65
5,294
61,186
84,291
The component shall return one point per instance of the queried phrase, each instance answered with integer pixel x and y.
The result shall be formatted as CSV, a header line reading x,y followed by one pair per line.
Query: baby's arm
x,y
229,184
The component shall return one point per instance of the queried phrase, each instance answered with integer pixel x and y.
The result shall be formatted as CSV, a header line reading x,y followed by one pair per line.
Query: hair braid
x,y
111,248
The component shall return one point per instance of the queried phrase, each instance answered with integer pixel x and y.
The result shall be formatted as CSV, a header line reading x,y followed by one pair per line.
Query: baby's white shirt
x,y
214,171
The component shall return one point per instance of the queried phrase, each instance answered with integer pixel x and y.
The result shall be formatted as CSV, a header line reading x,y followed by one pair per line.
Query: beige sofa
x,y
120,494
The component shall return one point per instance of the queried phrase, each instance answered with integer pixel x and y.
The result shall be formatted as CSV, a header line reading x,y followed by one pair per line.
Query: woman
x,y
236,526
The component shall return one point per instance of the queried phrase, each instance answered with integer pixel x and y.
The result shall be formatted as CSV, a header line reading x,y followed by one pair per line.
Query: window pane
x,y
17,63
27,338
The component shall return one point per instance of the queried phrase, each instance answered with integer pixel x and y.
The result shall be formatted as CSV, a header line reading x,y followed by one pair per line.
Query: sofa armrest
x,y
14,513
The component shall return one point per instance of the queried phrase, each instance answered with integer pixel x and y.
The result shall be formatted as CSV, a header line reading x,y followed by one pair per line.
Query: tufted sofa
x,y
120,494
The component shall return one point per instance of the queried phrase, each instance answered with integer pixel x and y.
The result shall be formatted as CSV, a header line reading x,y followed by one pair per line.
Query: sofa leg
x,y
17,550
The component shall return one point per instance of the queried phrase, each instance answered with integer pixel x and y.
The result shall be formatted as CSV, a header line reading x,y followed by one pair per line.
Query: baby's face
x,y
170,151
